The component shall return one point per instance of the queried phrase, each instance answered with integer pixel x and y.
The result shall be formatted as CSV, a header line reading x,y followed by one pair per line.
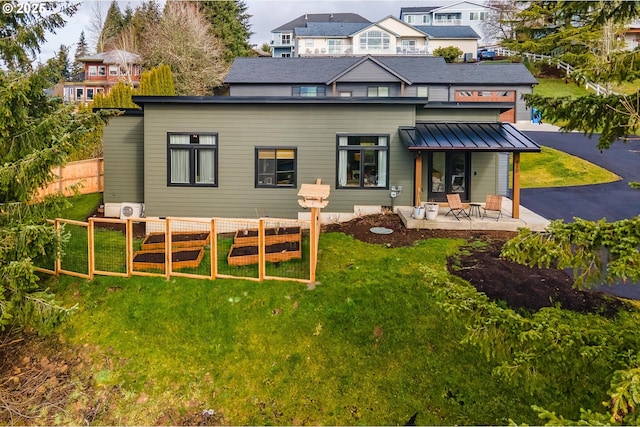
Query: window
x,y
275,167
335,46
381,91
192,159
409,19
93,70
464,93
79,94
113,70
285,55
363,161
374,40
308,91
102,70
345,93
478,16
408,46
90,92
285,39
426,19
422,91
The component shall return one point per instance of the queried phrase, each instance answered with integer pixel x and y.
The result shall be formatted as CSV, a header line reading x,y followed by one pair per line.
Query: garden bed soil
x,y
155,259
518,286
278,252
271,236
182,239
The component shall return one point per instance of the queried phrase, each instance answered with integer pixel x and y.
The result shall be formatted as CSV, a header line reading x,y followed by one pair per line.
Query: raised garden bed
x,y
154,259
278,252
182,239
271,236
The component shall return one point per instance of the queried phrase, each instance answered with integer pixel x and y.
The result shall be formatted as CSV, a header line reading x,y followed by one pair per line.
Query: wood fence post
x,y
167,248
58,263
213,251
261,250
91,248
129,240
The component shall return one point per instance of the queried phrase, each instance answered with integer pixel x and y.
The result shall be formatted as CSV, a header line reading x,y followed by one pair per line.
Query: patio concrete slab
x,y
528,219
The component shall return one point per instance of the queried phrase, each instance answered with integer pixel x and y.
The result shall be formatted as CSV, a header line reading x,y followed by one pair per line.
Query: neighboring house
x,y
461,36
473,14
101,72
388,36
237,155
631,35
283,38
429,78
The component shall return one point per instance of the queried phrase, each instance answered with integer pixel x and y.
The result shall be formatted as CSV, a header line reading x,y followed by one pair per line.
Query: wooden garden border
x,y
212,224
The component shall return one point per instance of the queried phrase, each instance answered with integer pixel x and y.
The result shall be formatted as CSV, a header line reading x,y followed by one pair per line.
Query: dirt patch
x,y
520,287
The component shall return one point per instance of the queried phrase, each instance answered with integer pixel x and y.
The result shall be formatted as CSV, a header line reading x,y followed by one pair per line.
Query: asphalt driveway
x,y
613,201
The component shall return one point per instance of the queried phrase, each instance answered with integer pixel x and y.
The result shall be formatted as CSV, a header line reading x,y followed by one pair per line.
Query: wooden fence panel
x,y
87,174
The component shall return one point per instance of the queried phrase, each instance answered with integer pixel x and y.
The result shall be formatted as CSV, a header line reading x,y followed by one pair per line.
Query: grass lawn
x,y
558,88
554,168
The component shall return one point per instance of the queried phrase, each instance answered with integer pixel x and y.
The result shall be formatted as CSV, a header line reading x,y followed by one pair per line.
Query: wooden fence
x,y
87,176
252,249
569,69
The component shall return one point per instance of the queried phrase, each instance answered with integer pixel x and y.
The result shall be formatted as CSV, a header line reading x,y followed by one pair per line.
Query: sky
x,y
266,15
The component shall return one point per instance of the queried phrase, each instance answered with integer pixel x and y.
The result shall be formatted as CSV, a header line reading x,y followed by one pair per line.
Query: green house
x,y
246,156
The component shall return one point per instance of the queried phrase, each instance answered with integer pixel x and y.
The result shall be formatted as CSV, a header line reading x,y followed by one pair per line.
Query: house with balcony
x,y
388,36
365,125
283,38
102,71
466,13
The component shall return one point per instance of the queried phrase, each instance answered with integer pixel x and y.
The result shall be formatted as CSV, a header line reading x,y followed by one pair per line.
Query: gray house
x,y
249,152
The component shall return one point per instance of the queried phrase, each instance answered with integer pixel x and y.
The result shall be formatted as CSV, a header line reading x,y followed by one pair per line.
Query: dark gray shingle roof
x,y
448,31
332,29
416,69
421,9
302,20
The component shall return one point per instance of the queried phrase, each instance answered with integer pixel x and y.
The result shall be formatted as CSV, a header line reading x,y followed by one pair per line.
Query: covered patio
x,y
507,222
427,138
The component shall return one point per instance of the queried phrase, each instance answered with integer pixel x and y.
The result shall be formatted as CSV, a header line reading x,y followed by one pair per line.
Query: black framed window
x,y
192,159
308,90
276,167
363,161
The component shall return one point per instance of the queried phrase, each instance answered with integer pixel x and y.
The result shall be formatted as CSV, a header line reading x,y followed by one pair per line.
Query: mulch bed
x,y
520,287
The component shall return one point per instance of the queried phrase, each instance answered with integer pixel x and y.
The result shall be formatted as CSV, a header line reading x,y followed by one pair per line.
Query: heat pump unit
x,y
131,210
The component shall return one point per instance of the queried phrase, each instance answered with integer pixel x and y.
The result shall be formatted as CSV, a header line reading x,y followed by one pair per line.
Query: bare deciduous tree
x,y
500,24
182,39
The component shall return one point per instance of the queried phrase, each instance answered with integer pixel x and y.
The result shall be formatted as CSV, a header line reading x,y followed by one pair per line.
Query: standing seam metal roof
x,y
501,137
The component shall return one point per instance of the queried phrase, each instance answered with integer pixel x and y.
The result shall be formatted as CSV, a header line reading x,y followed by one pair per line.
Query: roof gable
x,y
402,29
369,69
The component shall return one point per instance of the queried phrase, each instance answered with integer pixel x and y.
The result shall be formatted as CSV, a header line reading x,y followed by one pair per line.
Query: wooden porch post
x,y
515,208
334,88
418,179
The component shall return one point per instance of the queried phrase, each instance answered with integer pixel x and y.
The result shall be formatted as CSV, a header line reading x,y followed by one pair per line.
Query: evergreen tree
x,y
230,24
146,15
62,63
128,16
37,132
113,24
82,50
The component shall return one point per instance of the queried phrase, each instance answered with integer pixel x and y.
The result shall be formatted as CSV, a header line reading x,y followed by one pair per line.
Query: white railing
x,y
447,21
348,50
569,69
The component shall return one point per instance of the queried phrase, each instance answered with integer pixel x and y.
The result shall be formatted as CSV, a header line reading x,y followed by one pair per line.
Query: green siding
x,y
242,127
457,115
124,160
484,175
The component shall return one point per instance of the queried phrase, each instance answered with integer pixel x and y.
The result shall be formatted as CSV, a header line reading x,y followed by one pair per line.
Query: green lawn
x,y
373,343
554,168
559,88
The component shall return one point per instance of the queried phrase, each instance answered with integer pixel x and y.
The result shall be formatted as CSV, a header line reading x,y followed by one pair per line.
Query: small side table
x,y
474,209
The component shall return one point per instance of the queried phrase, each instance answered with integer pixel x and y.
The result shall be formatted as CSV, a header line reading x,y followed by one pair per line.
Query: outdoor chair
x,y
493,204
456,207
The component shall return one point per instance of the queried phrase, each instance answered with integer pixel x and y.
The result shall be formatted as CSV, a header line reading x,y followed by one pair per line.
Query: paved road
x,y
613,201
